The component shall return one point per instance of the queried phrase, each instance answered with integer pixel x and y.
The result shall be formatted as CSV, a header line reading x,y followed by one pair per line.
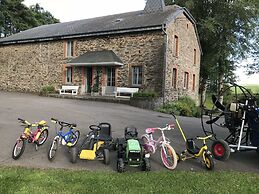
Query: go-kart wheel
x,y
120,165
208,161
220,150
146,166
74,152
116,144
106,156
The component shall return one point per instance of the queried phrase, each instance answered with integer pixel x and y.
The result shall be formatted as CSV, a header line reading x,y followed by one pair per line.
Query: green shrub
x,y
47,89
185,106
146,94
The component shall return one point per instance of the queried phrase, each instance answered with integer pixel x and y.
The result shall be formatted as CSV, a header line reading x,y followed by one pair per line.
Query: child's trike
x,y
95,145
193,151
131,152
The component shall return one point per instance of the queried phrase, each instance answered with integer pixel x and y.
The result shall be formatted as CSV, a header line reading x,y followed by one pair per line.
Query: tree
x,y
226,29
16,17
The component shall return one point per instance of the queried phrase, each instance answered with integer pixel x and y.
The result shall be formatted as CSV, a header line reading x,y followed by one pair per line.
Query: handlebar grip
x,y
54,120
20,119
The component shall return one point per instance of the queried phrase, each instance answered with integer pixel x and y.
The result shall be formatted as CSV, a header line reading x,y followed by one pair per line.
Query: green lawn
x,y
253,88
21,180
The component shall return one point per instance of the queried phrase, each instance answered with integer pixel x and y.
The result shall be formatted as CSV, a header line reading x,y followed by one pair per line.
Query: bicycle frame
x,y
63,135
153,144
29,135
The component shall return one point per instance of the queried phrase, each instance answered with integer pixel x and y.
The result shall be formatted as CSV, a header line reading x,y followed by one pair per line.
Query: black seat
x,y
191,147
105,134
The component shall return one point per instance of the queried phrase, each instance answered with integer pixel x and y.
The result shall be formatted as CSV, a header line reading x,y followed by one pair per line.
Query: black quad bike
x,y
131,152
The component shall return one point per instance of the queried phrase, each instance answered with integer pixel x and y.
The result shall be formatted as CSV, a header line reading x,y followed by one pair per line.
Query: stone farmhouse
x,y
155,49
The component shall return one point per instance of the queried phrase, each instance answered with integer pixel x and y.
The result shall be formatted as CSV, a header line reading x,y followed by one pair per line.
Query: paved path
x,y
85,113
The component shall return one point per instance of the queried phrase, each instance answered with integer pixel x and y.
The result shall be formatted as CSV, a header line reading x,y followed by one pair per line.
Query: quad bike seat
x,y
105,133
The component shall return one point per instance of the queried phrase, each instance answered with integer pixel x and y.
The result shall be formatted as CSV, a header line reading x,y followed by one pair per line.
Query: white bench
x,y
124,90
69,90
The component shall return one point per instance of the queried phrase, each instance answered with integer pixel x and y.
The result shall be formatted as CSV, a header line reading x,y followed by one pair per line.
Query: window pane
x,y
70,48
69,74
137,75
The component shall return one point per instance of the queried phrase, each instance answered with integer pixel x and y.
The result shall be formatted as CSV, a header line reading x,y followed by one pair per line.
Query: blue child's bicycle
x,y
69,138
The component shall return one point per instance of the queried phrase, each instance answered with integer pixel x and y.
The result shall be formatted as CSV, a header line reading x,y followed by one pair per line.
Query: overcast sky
x,y
70,10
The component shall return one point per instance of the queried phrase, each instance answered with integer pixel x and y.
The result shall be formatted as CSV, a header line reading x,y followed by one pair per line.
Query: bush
x,y
146,94
185,106
47,89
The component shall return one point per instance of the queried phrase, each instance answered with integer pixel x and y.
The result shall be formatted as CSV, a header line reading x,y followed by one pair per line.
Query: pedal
x,y
232,150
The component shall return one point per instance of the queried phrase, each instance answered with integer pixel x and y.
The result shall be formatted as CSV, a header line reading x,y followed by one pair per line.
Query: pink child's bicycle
x,y
168,154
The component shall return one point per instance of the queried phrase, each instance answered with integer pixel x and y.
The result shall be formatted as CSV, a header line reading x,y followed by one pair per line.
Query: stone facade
x,y
30,66
184,61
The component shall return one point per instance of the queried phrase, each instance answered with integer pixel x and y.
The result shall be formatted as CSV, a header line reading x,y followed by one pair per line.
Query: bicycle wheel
x,y
208,161
18,149
43,137
74,138
53,149
168,156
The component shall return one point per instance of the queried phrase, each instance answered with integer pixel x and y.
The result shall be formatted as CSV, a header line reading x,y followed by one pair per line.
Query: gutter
x,y
102,33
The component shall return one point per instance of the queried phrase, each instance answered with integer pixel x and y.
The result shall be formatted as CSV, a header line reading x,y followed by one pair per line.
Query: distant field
x,y
253,88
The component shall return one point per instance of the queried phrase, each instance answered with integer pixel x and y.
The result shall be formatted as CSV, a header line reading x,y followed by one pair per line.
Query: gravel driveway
x,y
84,113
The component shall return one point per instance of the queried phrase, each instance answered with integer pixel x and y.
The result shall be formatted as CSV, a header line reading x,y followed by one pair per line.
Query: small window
x,y
70,49
194,56
69,75
174,78
137,75
186,80
176,46
193,82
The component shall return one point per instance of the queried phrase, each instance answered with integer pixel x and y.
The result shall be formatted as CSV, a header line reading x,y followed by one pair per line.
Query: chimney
x,y
154,6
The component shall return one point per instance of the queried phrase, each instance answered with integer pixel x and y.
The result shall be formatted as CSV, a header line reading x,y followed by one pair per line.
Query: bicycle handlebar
x,y
204,138
24,121
62,123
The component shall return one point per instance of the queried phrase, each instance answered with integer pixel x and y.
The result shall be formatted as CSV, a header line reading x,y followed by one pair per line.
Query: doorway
x,y
88,79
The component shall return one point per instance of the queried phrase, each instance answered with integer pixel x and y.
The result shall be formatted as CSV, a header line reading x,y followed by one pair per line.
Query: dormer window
x,y
70,48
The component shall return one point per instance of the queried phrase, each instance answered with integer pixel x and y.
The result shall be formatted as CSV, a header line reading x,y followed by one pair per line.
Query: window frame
x,y
69,75
193,82
194,56
174,78
111,76
186,80
139,73
70,48
176,46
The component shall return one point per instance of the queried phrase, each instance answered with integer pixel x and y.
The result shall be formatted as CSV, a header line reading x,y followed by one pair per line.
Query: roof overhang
x,y
97,58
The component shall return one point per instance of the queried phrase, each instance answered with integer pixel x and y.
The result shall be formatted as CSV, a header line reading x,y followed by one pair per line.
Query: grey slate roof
x,y
98,58
119,23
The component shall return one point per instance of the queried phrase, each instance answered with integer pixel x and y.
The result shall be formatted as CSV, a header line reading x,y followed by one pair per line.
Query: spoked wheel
x,y
43,137
220,150
169,157
52,150
120,165
18,149
74,138
208,161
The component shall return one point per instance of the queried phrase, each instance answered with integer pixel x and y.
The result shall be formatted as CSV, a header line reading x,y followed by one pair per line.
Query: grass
x,y
253,88
22,180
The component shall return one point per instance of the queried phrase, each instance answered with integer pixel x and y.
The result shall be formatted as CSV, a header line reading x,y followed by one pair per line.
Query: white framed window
x,y
69,75
70,48
176,46
136,75
186,80
110,76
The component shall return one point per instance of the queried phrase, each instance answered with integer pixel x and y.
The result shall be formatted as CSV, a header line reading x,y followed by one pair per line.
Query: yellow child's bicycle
x,y
193,151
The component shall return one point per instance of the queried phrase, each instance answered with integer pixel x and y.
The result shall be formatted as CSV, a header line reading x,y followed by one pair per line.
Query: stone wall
x,y
184,62
29,67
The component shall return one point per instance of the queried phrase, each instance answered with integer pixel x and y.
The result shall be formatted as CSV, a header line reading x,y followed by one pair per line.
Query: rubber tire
x,y
116,144
51,158
47,134
77,132
145,141
74,154
106,156
209,163
22,149
216,148
120,165
146,166
173,156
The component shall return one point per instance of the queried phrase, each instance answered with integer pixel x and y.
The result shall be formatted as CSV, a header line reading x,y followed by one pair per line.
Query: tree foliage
x,y
16,17
228,31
